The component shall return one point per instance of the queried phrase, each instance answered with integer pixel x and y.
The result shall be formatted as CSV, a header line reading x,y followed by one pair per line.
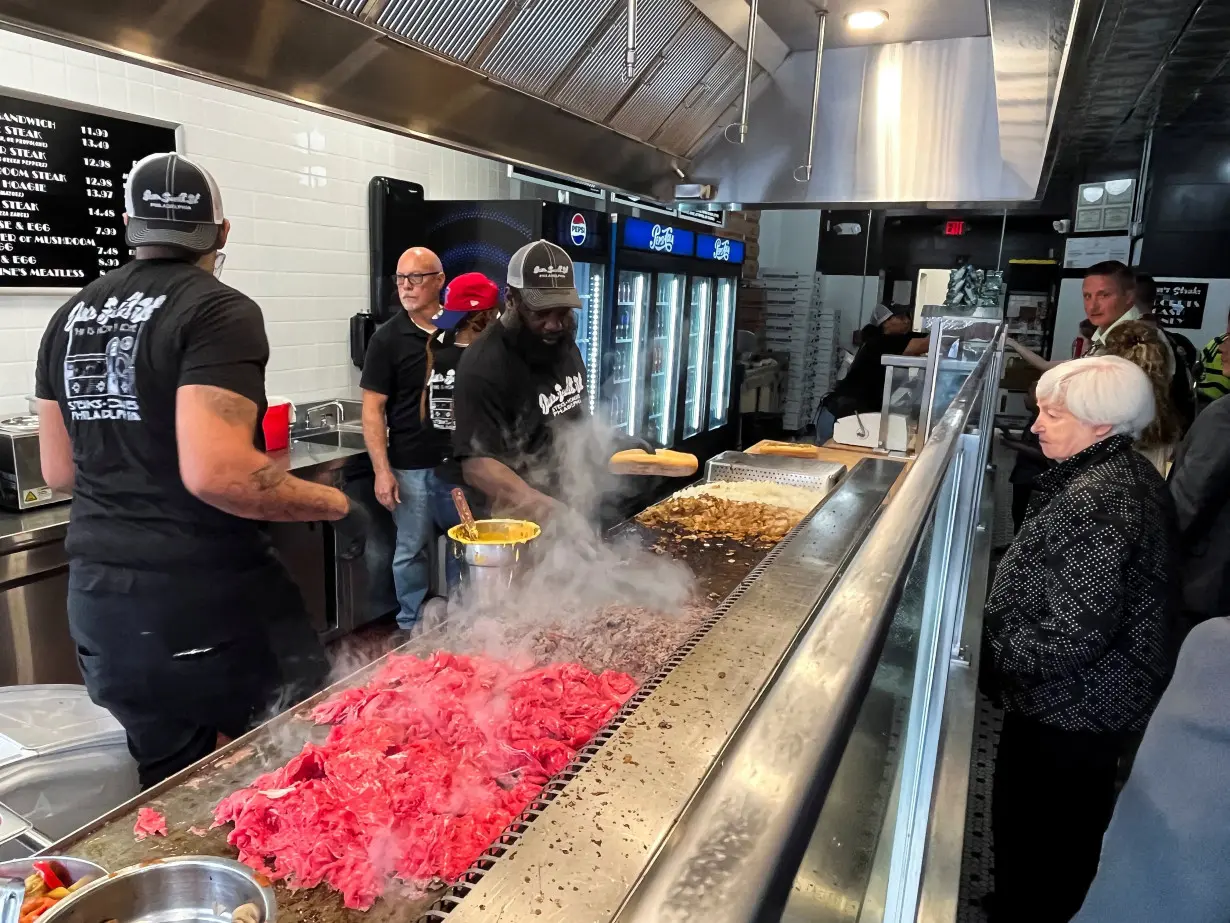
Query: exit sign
x,y
954,228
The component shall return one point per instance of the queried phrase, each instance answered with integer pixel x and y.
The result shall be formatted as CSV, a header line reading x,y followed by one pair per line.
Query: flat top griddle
x,y
188,799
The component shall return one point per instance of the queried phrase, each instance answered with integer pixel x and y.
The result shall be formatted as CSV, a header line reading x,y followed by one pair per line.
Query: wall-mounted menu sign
x,y
62,174
658,238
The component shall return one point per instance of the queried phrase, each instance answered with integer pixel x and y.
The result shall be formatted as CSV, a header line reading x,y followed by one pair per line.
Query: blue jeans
x,y
411,562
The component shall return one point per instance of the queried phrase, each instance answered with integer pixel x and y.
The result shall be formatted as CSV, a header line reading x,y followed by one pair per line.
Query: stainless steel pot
x,y
490,565
184,889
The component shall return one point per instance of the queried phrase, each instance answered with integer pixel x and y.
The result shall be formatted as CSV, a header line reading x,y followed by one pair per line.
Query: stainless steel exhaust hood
x,y
538,83
962,119
545,84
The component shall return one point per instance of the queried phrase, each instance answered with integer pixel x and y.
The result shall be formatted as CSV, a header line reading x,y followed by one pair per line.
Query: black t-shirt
x,y
863,386
396,366
513,409
113,358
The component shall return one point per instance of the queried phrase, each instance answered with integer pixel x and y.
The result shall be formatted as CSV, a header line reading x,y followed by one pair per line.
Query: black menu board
x,y
62,174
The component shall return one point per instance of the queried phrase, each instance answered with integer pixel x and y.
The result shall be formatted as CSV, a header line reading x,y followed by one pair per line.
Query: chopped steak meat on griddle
x,y
627,639
422,770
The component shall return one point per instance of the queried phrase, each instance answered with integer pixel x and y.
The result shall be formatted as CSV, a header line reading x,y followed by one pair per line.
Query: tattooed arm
x,y
220,465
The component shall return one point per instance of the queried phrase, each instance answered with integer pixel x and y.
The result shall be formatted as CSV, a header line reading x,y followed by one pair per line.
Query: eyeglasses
x,y
413,279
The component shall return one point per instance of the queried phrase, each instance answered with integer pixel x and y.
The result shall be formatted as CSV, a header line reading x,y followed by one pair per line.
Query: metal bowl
x,y
184,889
76,868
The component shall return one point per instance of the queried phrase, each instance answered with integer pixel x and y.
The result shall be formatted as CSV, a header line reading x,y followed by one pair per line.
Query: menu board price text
x,y
62,175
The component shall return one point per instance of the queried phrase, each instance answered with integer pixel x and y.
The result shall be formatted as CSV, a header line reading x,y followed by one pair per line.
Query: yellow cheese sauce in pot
x,y
497,532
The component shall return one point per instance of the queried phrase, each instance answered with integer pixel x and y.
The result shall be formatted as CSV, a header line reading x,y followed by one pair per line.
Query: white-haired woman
x,y
1076,638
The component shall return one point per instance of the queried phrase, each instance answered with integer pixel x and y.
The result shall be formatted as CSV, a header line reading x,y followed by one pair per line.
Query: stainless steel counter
x,y
33,527
658,746
50,523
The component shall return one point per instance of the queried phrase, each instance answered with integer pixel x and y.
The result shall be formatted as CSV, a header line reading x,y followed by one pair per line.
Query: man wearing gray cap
x,y
520,385
151,388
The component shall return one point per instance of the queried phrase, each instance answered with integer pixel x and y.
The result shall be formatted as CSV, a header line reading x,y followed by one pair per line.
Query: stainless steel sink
x,y
338,438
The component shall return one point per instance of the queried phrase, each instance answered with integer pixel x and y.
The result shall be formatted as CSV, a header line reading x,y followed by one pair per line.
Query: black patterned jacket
x,y
1077,630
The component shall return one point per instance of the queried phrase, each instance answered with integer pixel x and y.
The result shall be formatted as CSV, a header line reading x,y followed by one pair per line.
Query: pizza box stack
x,y
798,326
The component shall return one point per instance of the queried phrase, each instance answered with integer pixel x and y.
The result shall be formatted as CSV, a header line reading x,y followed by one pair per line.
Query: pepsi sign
x,y
578,230
575,228
658,238
721,249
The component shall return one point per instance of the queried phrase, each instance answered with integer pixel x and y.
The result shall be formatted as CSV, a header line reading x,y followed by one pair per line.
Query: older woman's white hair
x,y
1102,391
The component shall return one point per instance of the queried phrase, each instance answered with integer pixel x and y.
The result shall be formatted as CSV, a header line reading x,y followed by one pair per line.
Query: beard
x,y
536,350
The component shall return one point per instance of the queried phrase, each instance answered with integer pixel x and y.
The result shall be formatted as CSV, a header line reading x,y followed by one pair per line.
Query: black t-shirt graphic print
x,y
114,358
445,355
100,357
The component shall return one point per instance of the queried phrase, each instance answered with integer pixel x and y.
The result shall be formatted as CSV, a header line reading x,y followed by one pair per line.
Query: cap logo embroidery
x,y
553,273
186,198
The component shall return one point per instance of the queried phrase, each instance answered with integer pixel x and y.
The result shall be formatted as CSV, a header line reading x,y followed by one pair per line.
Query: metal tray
x,y
793,472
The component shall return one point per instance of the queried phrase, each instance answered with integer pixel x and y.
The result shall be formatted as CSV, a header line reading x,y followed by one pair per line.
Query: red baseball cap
x,y
466,294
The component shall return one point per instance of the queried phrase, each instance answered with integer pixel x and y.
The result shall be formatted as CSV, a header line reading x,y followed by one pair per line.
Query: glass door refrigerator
x,y
723,261
663,358
482,236
651,269
722,367
697,345
623,389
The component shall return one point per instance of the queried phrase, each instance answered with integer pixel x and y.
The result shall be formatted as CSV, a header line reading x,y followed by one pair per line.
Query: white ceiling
x,y
794,21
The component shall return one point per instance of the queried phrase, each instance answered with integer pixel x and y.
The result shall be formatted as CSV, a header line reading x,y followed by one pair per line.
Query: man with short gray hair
x,y
403,448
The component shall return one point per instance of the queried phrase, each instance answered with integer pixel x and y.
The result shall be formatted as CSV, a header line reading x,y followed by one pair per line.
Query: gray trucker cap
x,y
171,201
543,273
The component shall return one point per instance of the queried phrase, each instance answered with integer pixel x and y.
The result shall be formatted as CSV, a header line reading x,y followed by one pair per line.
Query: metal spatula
x,y
468,526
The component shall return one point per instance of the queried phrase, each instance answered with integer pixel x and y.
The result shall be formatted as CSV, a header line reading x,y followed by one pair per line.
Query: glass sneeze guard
x,y
875,658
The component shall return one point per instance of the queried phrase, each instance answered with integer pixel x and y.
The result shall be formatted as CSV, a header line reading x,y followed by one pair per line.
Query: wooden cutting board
x,y
664,463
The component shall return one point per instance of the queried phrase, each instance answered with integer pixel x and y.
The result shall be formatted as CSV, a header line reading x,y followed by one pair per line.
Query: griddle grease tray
x,y
508,840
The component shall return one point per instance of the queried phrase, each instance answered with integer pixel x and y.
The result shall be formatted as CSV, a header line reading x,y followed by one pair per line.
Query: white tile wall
x,y
294,184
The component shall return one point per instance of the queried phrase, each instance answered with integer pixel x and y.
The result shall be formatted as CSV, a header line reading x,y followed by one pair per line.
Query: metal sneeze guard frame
x,y
734,853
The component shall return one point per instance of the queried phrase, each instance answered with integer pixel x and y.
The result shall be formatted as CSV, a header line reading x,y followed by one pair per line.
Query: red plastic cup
x,y
276,426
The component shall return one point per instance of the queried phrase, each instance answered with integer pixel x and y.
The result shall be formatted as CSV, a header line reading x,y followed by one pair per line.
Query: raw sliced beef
x,y
421,771
149,823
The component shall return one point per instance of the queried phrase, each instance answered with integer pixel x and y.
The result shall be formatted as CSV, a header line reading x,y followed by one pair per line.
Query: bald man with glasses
x,y
403,450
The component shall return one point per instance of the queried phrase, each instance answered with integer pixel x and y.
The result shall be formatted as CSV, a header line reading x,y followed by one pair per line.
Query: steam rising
x,y
571,573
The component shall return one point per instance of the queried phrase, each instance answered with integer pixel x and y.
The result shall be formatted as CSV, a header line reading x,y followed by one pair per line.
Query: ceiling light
x,y
866,19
